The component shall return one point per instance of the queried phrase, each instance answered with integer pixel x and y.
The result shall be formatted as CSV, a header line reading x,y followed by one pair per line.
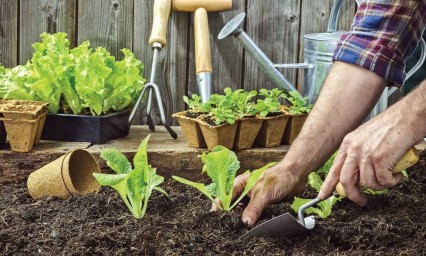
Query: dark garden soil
x,y
100,224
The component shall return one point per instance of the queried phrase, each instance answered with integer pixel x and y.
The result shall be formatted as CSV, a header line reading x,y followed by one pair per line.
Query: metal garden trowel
x,y
286,225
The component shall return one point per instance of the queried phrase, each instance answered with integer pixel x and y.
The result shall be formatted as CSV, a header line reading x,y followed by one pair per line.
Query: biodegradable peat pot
x,y
293,128
191,129
24,122
247,130
272,130
218,135
84,128
71,174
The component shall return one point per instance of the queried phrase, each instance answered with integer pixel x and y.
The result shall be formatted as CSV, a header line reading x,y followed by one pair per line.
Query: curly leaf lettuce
x,y
15,83
53,69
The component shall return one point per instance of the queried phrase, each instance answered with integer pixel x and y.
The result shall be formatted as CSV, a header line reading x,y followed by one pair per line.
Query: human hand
x,y
274,185
367,157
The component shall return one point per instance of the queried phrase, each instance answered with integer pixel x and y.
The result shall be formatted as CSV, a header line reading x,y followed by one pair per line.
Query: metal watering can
x,y
318,52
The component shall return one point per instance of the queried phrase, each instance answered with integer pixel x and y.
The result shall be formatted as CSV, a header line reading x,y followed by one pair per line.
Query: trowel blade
x,y
284,225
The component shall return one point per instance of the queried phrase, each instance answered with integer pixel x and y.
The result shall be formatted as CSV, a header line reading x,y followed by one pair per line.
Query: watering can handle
x,y
334,15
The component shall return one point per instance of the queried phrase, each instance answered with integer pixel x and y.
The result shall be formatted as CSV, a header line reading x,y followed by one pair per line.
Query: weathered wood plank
x,y
314,19
169,156
8,33
227,54
273,26
38,16
171,69
106,23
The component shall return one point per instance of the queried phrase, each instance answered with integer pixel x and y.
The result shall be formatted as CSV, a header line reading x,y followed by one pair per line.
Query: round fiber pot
x,y
71,174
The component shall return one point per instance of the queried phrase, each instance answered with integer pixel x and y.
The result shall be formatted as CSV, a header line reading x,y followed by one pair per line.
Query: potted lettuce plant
x,y
297,112
89,92
274,117
219,125
188,123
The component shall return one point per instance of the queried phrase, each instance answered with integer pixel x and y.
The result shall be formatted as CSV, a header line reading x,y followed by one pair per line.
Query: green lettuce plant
x,y
243,104
315,180
220,108
135,185
298,105
79,81
221,165
270,103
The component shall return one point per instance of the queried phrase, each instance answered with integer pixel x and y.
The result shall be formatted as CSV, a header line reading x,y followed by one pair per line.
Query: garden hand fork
x,y
157,40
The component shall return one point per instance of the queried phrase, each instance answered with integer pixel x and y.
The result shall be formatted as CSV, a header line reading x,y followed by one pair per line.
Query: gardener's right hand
x,y
275,185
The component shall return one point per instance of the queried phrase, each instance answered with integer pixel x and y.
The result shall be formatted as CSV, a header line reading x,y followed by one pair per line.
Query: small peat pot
x,y
24,122
84,128
272,131
247,131
191,129
293,128
214,135
71,174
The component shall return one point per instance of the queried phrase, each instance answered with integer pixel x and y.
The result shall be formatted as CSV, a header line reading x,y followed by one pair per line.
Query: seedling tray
x,y
82,128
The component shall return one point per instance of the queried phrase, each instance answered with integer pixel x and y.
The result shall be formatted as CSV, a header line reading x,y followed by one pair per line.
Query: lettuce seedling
x,y
271,102
315,180
299,105
221,165
134,185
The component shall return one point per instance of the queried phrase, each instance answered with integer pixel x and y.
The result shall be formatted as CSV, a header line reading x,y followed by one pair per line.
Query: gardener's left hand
x,y
367,156
275,185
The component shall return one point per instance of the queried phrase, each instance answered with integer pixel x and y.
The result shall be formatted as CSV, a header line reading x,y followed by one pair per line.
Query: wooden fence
x,y
276,26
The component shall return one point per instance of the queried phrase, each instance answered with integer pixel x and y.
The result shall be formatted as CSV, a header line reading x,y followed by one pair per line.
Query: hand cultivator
x,y
157,41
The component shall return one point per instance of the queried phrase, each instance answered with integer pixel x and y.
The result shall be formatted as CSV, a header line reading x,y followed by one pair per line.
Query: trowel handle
x,y
203,62
409,159
161,12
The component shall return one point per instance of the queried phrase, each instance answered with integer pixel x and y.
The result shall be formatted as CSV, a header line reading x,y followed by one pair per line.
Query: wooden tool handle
x,y
209,5
409,159
161,12
203,59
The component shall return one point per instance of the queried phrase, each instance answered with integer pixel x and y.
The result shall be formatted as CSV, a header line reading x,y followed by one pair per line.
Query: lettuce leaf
x,y
221,165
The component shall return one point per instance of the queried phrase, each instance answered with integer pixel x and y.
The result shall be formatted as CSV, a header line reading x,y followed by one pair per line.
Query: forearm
x,y
411,113
347,97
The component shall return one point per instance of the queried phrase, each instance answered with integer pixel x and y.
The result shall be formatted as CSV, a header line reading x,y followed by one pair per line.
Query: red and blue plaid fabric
x,y
383,34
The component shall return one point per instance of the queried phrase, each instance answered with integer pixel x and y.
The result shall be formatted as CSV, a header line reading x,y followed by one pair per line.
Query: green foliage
x,y
15,83
298,105
81,79
194,103
315,180
221,165
134,185
243,104
220,108
270,102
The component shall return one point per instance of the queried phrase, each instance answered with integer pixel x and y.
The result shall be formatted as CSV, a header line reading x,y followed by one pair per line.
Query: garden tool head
x,y
286,225
202,40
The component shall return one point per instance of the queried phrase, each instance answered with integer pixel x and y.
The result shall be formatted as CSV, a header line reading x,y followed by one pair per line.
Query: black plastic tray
x,y
81,128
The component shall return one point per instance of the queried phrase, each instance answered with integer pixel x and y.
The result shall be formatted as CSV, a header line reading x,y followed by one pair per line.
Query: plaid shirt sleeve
x,y
383,34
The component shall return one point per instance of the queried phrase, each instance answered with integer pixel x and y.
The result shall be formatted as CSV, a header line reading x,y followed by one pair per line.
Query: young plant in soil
x,y
195,106
220,109
221,165
134,185
243,104
299,106
270,105
315,180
